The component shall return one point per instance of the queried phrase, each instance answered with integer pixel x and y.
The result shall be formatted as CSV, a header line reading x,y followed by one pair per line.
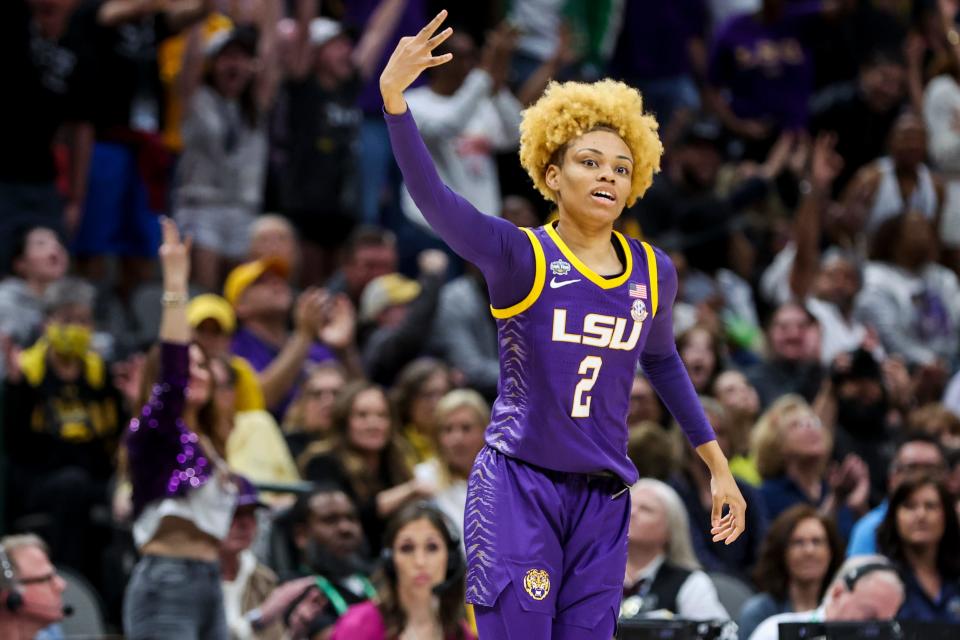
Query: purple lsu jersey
x,y
568,354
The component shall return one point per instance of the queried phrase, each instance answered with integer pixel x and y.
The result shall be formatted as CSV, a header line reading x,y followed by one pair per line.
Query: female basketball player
x,y
577,305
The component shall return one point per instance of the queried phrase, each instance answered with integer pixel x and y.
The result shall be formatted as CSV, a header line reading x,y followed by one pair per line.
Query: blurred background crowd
x,y
809,196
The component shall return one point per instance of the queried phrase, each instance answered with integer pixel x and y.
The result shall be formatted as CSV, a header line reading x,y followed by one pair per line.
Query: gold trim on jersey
x,y
540,276
652,271
588,273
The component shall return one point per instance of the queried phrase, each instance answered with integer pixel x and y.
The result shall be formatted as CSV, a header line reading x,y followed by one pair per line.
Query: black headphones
x,y
11,597
850,578
456,563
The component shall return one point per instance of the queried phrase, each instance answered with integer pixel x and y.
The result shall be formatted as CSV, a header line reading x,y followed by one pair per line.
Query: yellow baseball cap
x,y
249,272
385,292
210,306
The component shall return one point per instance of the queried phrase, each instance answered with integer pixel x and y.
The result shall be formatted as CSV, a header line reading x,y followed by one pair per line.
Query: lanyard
x,y
334,597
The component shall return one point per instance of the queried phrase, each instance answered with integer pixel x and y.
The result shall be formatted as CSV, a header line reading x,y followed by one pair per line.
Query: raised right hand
x,y
412,55
174,257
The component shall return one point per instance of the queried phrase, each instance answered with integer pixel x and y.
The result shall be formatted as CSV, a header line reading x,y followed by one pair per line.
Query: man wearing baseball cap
x,y
262,299
399,312
252,600
213,323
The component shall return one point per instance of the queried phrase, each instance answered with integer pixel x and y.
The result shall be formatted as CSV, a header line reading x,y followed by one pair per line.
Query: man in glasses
x,y
31,591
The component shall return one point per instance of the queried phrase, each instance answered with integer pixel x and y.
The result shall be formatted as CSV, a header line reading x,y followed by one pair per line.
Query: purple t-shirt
x,y
569,338
260,354
767,68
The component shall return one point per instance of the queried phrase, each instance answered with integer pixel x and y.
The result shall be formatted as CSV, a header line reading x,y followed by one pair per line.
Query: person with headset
x,y
31,591
865,588
420,590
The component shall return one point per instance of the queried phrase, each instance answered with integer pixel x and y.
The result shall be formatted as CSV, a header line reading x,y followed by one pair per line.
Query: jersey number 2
x,y
590,367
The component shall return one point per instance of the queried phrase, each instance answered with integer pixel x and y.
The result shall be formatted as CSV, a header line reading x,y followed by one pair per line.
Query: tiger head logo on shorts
x,y
537,583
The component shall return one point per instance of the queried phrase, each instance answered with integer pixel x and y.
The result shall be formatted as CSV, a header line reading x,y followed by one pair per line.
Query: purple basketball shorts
x,y
546,550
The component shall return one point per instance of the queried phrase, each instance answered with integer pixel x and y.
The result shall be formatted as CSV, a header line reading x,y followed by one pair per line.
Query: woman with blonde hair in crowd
x,y
792,449
461,418
663,573
938,421
365,459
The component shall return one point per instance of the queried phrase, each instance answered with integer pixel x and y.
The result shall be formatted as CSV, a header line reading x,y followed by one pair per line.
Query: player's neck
x,y
591,244
584,237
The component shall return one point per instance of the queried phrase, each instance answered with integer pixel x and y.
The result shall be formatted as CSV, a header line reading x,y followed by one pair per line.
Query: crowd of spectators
x,y
215,280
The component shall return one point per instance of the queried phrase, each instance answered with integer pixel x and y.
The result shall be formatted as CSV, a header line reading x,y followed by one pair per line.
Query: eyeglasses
x,y
49,577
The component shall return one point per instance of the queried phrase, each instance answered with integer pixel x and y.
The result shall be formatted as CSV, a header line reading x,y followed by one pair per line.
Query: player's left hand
x,y
727,528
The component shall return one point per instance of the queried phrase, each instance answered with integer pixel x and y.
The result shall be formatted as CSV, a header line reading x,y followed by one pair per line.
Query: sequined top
x,y
166,459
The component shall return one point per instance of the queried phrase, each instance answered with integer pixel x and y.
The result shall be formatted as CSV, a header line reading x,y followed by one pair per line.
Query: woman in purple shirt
x,y
547,506
183,496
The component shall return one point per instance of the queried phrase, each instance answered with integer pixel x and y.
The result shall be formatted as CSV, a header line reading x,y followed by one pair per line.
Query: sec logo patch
x,y
638,311
537,584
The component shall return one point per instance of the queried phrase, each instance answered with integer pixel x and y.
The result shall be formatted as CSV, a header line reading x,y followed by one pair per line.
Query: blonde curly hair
x,y
569,110
768,434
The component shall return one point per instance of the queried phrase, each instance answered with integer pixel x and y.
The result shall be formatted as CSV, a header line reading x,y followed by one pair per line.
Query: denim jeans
x,y
178,598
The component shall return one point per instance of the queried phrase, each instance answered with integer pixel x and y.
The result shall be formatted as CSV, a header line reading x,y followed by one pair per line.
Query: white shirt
x,y
462,132
210,508
769,629
697,598
451,499
888,301
538,22
233,590
941,104
951,396
889,201
838,334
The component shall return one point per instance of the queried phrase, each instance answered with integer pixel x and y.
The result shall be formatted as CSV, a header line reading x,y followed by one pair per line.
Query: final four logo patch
x,y
560,267
537,583
638,311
